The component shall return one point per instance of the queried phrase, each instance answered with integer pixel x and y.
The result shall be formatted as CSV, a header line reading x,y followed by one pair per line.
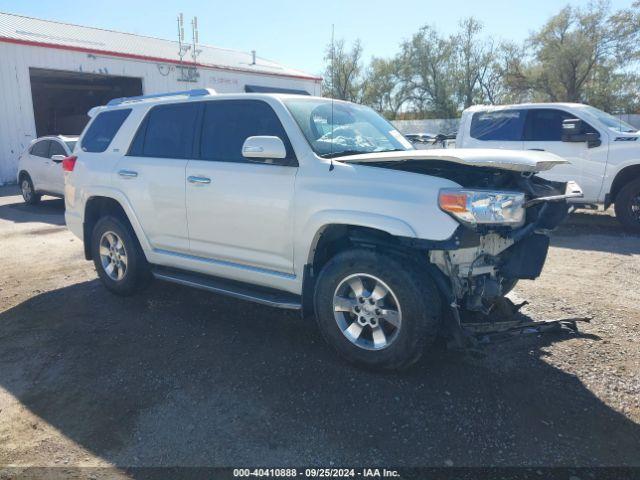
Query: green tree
x,y
579,50
384,89
342,78
474,64
428,70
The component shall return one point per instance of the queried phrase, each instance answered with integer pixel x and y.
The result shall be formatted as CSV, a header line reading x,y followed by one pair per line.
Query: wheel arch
x,y
332,237
623,177
100,205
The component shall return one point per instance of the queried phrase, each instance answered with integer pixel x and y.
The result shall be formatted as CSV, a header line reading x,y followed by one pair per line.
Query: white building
x,y
52,73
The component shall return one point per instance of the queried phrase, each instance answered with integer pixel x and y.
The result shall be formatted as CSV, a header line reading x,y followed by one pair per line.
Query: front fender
x,y
316,224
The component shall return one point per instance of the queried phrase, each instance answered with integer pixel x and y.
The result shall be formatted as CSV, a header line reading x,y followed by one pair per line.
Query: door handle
x,y
128,173
199,180
536,149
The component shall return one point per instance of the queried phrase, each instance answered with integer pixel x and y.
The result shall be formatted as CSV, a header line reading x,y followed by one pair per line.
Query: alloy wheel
x,y
367,311
113,256
27,193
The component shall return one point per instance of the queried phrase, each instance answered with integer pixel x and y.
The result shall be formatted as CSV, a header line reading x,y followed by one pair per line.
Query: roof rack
x,y
200,92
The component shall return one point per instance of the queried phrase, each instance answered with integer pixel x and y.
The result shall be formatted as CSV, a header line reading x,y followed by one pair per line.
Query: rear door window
x,y
228,123
504,125
168,131
102,130
41,149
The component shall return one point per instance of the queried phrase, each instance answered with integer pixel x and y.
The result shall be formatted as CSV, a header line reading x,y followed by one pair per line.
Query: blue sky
x,y
295,33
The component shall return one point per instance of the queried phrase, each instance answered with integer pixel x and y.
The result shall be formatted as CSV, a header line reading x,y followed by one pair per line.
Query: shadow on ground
x,y
176,376
49,210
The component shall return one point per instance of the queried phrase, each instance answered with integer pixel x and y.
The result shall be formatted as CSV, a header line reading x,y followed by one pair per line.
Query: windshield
x,y
344,128
71,144
610,121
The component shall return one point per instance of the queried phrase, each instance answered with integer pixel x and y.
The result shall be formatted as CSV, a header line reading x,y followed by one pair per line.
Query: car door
x,y
240,212
543,131
38,164
496,129
152,174
54,173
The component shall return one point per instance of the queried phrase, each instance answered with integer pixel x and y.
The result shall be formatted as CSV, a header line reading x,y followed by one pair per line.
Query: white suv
x,y
310,204
40,169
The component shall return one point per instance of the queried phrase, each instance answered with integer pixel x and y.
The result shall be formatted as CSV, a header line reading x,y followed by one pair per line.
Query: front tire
x,y
376,310
118,257
627,205
29,194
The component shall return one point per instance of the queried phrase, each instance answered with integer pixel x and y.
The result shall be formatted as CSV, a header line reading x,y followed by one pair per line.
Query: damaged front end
x,y
495,252
505,218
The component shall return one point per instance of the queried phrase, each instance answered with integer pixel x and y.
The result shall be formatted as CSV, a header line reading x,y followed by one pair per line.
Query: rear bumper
x,y
74,223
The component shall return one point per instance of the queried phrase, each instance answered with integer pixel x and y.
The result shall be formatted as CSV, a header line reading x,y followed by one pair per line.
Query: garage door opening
x,y
62,99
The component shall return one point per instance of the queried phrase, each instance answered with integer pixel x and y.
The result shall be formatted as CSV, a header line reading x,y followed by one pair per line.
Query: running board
x,y
231,288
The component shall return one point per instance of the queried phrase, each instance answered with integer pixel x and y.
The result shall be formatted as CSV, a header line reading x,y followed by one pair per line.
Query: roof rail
x,y
200,92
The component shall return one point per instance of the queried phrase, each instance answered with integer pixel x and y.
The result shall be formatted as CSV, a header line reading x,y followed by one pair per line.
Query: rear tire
x,y
29,194
118,257
370,334
627,205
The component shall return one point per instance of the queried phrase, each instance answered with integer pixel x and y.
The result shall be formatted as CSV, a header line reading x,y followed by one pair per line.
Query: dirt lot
x,y
180,377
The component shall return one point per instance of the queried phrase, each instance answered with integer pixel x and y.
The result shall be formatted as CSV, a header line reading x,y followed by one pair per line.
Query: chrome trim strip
x,y
225,263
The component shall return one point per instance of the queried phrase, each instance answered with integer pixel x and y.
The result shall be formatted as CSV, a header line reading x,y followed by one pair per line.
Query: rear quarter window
x,y
102,130
505,125
40,149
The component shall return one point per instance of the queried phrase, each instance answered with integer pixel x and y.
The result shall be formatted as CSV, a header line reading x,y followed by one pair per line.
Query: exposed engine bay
x,y
488,260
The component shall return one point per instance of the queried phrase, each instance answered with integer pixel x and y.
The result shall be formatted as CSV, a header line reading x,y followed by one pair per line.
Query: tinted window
x,y
56,149
41,149
545,125
168,132
102,130
228,123
505,125
71,145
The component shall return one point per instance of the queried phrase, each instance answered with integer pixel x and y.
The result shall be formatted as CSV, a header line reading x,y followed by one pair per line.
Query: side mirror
x,y
593,140
264,148
573,130
58,158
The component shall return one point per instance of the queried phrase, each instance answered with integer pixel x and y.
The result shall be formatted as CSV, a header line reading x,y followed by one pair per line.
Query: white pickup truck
x,y
304,203
602,150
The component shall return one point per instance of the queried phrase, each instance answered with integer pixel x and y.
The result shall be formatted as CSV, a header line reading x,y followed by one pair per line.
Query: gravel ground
x,y
179,377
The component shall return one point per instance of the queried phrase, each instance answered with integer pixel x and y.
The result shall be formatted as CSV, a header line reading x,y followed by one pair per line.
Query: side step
x,y
231,288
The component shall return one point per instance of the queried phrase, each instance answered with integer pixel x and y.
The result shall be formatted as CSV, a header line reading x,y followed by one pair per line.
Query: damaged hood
x,y
516,160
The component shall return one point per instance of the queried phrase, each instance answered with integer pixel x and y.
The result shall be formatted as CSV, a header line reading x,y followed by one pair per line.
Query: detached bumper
x,y
572,190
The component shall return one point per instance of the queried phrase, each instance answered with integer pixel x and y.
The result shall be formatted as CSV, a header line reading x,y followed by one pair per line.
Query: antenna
x,y
333,89
195,40
182,48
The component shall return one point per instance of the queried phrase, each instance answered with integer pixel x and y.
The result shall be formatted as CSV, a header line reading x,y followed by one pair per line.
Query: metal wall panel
x,y
17,125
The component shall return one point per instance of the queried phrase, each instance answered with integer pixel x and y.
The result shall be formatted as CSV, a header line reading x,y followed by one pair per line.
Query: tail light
x,y
68,163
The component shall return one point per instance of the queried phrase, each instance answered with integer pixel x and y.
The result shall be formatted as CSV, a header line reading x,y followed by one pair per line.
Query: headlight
x,y
484,207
